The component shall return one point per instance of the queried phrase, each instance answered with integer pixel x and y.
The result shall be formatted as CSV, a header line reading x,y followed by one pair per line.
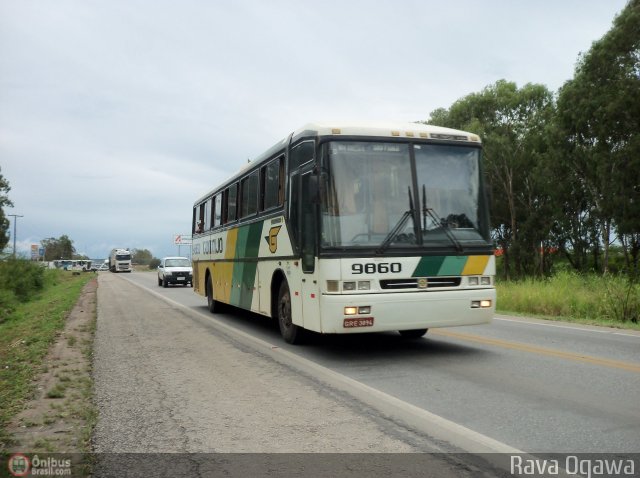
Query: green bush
x,y
8,302
23,278
609,298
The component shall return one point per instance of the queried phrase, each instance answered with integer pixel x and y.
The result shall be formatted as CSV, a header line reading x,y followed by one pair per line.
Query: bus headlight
x,y
484,280
473,281
333,286
364,285
349,286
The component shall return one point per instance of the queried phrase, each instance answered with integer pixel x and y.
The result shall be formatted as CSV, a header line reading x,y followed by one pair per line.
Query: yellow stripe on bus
x,y
223,271
475,265
230,246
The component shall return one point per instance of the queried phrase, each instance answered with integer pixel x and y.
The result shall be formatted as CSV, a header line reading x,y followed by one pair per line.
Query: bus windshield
x,y
370,198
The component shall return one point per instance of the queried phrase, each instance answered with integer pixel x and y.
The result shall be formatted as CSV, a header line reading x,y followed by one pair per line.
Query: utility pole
x,y
15,223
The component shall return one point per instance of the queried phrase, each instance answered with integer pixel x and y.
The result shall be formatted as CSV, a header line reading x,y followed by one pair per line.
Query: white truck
x,y
120,260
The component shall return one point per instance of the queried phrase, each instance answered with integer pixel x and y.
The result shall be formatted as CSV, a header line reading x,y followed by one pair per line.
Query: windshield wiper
x,y
429,211
398,227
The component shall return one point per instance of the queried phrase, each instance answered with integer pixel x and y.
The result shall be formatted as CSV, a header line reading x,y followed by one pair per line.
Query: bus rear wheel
x,y
212,304
290,332
413,334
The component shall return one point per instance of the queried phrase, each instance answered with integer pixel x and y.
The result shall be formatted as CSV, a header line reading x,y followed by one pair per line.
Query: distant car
x,y
102,267
175,270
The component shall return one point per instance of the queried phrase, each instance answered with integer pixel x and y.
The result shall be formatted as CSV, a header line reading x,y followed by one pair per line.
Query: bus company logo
x,y
272,239
19,465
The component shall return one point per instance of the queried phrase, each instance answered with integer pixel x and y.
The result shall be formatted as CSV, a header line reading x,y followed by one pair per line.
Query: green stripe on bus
x,y
248,242
246,286
244,273
453,265
428,266
440,266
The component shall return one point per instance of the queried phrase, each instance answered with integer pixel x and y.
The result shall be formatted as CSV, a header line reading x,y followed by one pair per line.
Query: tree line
x,y
63,248
563,169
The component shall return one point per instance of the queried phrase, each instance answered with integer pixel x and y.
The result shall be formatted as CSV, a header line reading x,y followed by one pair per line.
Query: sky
x,y
116,115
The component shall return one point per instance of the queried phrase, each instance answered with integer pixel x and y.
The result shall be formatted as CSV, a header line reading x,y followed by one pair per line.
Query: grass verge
x,y
610,301
26,335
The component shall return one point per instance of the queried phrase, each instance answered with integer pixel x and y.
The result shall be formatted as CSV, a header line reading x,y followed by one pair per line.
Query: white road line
x,y
412,416
570,327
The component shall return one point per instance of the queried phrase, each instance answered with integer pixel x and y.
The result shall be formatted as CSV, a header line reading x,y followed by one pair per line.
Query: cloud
x,y
116,116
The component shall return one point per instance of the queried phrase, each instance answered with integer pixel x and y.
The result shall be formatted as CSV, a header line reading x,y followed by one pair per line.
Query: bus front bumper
x,y
406,311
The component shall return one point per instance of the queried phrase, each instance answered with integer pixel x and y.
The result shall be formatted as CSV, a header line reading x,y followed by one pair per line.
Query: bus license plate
x,y
358,322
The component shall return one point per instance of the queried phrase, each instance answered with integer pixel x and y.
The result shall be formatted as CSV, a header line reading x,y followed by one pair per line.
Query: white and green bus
x,y
347,228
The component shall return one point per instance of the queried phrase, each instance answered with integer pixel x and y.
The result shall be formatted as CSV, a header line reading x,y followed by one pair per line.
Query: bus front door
x,y
308,250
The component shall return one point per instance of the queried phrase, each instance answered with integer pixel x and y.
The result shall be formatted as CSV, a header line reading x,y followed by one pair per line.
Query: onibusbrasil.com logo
x,y
21,465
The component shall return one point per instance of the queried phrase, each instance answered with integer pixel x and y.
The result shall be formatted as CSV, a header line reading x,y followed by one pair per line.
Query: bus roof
x,y
350,129
385,129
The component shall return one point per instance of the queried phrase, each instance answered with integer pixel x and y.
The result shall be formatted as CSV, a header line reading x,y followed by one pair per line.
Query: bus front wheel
x,y
290,332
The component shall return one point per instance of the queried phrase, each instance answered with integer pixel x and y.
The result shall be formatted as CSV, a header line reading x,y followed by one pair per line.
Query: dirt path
x,y
60,417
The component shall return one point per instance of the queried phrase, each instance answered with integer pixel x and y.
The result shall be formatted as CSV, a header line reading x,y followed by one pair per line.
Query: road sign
x,y
182,239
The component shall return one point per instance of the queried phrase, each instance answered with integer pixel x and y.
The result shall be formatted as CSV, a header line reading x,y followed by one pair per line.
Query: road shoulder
x,y
60,416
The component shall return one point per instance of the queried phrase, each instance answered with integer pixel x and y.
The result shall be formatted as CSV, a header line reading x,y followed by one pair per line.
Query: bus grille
x,y
412,283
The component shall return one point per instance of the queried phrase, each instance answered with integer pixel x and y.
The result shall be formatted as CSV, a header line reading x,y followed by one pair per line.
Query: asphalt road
x,y
530,385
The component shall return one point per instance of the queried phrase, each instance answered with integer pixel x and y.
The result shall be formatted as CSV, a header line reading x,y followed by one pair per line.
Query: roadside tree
x,y
4,202
141,256
599,115
512,123
61,248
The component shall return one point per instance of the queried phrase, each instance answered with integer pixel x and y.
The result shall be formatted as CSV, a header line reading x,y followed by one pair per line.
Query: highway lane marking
x,y
575,327
631,367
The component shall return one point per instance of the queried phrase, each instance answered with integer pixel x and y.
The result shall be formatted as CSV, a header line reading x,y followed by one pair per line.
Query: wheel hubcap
x,y
285,311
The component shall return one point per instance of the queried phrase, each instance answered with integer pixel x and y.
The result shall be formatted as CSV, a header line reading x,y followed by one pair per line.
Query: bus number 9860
x,y
376,268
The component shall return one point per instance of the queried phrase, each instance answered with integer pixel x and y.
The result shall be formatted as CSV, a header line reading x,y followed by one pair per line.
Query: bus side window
x,y
218,211
199,227
207,214
249,191
272,180
300,154
216,203
281,177
230,210
193,221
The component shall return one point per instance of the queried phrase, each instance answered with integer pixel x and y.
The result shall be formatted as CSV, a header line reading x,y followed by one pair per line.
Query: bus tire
x,y
213,305
413,334
291,333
